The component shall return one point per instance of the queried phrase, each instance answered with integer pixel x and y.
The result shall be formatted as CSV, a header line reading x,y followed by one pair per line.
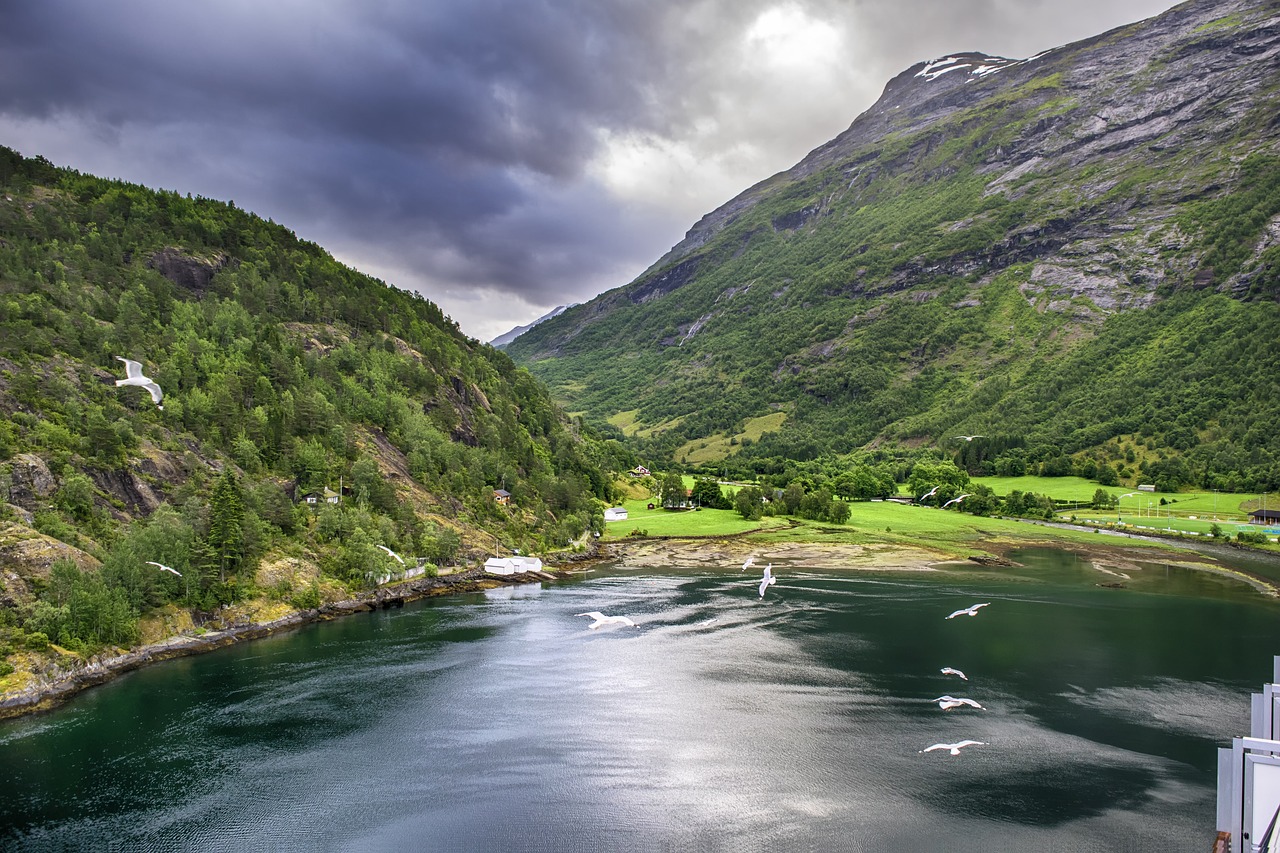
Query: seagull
x,y
601,619
969,611
947,670
928,493
955,501
946,703
708,621
769,580
748,563
967,437
391,553
135,377
954,747
163,566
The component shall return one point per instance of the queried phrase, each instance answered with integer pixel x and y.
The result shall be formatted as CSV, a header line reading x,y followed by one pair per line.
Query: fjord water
x,y
720,721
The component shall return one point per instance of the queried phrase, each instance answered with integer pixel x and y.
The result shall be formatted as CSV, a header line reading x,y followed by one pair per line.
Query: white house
x,y
615,513
512,565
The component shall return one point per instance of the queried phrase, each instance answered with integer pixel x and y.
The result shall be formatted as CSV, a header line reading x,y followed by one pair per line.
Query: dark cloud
x,y
501,156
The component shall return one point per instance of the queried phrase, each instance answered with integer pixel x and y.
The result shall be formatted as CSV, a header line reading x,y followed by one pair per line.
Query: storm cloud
x,y
500,157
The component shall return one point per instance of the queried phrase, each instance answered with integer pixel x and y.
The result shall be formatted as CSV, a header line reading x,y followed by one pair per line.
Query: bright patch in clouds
x,y
760,102
787,38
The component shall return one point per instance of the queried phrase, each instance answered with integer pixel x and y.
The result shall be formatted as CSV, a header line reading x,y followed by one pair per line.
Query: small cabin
x,y
512,565
639,471
615,513
501,496
315,497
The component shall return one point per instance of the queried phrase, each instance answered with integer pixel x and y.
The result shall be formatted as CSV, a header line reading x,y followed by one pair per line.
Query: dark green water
x,y
501,722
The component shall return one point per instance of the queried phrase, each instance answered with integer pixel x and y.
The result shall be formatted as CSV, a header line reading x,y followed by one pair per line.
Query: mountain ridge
x,y
1097,178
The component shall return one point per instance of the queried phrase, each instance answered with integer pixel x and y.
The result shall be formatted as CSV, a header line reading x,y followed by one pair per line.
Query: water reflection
x,y
500,721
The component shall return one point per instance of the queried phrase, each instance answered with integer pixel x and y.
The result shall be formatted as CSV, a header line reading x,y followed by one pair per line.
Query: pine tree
x,y
226,524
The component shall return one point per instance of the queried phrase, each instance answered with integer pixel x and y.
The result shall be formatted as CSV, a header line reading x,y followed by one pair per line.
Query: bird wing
x,y
624,620
957,613
936,746
747,564
970,703
983,604
594,614
768,571
156,394
132,368
965,743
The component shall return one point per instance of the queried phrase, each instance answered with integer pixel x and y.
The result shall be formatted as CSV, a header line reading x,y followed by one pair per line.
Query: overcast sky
x,y
501,157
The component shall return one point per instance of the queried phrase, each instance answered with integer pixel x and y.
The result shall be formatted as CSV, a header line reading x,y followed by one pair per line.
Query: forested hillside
x,y
1075,257
284,374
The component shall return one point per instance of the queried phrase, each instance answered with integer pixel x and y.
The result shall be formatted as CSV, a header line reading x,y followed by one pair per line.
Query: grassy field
x,y
661,522
1225,505
716,447
872,522
876,521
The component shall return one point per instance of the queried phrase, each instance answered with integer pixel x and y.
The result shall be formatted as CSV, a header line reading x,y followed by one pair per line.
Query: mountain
x,y
507,337
1076,256
287,378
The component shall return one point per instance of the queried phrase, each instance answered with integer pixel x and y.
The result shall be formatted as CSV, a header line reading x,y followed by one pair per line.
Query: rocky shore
x,y
66,680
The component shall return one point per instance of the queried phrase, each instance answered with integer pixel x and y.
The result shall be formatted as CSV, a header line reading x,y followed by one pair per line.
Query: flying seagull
x,y
601,619
391,553
946,703
769,580
134,377
954,747
967,437
928,493
969,611
748,563
163,566
955,501
947,670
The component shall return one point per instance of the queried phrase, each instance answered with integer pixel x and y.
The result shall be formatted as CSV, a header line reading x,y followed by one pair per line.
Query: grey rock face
x,y
1140,99
30,480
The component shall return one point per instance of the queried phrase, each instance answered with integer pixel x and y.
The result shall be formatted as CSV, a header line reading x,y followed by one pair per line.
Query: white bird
x,y
601,619
969,611
946,703
947,670
163,566
748,563
955,501
133,370
967,437
769,580
954,747
708,621
391,553
929,493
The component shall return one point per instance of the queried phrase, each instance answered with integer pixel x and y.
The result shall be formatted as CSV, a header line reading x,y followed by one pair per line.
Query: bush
x,y
307,599
37,641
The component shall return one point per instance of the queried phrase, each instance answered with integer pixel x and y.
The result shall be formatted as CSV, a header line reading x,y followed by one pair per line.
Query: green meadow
x,y
875,522
664,522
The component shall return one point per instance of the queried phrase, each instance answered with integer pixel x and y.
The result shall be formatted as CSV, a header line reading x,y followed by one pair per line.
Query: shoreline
x,y
101,669
1108,558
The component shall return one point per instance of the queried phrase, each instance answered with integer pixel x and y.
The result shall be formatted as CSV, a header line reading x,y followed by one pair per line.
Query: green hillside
x,y
284,373
1073,257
